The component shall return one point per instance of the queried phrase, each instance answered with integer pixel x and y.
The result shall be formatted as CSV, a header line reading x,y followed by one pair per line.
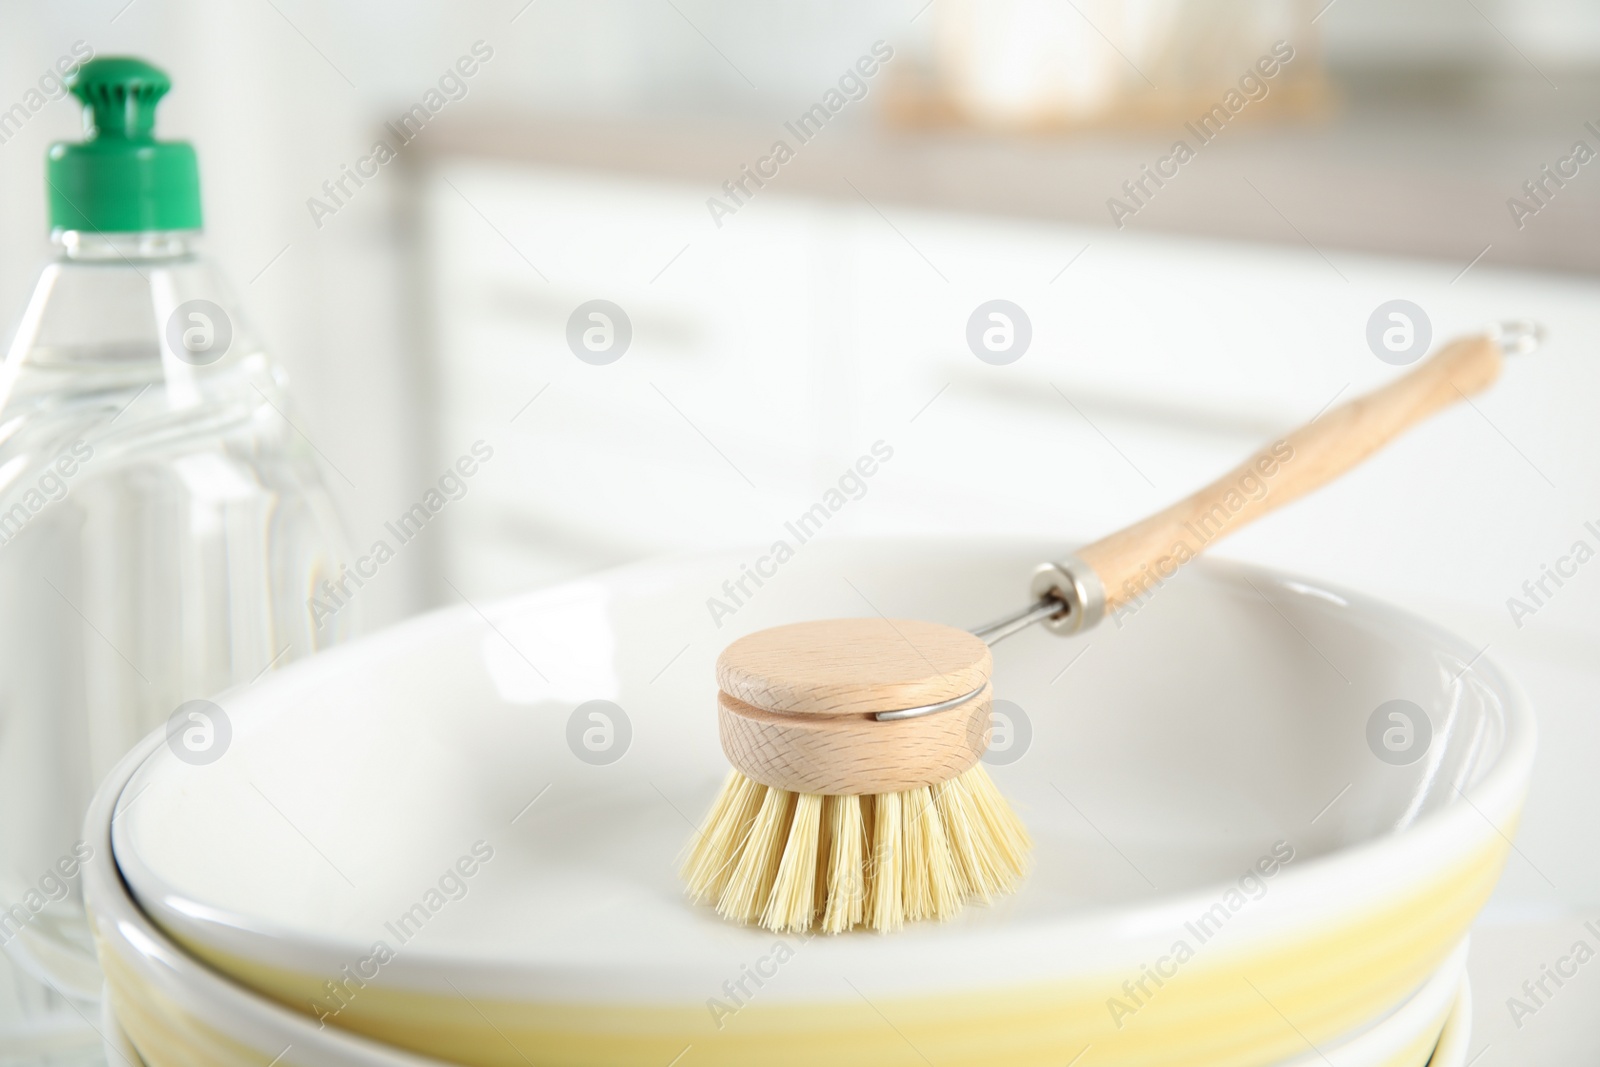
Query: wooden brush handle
x,y
1130,562
798,704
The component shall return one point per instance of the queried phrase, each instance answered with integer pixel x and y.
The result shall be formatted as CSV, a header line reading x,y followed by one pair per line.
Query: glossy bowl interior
x,y
1199,781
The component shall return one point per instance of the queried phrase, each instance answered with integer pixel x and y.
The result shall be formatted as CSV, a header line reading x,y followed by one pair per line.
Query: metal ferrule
x,y
1075,584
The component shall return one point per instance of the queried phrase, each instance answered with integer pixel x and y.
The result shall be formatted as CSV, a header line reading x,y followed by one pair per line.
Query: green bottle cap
x,y
122,179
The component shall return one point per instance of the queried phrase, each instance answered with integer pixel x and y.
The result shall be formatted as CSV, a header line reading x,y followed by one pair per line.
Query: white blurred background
x,y
829,311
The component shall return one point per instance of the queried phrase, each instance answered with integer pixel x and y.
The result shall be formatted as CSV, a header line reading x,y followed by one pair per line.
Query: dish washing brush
x,y
858,798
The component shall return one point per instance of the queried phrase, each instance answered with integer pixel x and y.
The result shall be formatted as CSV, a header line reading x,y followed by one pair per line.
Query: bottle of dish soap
x,y
162,522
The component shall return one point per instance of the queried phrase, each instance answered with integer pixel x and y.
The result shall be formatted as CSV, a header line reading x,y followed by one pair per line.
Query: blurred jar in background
x,y
1026,61
1062,64
162,526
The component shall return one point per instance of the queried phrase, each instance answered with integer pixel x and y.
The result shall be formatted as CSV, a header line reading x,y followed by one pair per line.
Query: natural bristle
x,y
845,893
791,904
885,910
756,871
794,861
711,858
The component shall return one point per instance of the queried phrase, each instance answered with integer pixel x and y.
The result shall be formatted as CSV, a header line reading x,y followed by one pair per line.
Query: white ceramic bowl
x,y
167,1009
187,1014
115,1044
1410,1035
1172,759
1451,1050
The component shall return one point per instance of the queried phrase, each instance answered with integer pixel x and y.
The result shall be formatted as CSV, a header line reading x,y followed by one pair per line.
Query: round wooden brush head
x,y
797,704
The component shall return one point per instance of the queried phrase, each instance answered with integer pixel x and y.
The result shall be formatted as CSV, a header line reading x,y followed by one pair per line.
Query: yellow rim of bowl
x,y
1254,1007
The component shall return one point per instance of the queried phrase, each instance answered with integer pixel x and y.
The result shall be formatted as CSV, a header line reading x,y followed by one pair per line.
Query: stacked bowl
x,y
1266,813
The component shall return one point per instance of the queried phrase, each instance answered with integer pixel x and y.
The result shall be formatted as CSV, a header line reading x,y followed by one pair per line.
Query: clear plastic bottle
x,y
162,522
